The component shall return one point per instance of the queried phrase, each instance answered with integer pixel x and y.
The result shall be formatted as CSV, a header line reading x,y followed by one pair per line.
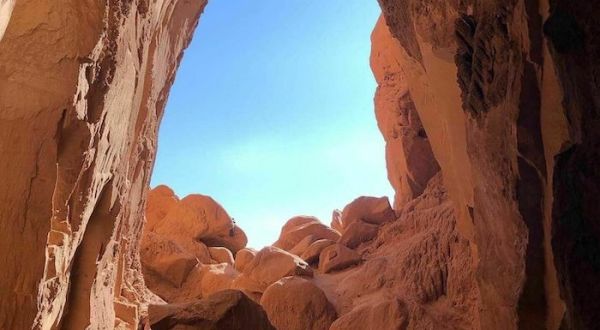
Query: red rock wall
x,y
502,88
410,160
82,88
491,91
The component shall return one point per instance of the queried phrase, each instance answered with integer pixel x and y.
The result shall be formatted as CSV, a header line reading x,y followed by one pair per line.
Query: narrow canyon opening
x,y
273,116
484,137
298,105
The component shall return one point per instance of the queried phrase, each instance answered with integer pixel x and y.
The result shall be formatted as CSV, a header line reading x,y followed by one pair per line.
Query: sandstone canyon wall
x,y
511,115
489,110
83,85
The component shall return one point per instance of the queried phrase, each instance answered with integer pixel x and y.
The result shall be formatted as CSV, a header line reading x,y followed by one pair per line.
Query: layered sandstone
x,y
83,86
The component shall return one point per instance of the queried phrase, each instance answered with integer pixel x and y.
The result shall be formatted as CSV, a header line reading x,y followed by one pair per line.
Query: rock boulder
x,y
229,309
294,303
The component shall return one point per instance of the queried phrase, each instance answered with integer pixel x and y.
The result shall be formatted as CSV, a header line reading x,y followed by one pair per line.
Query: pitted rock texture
x,y
83,86
503,91
206,222
188,246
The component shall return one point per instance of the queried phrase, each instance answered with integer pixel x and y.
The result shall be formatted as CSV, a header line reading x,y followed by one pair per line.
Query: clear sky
x,y
272,113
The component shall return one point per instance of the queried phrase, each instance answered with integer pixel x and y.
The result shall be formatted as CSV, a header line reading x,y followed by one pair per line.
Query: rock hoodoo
x,y
489,110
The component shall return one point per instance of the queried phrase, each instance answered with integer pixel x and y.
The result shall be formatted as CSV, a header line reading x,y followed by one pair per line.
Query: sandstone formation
x,y
368,209
214,278
207,223
337,257
294,303
228,309
358,232
489,110
221,255
381,314
178,259
312,253
83,85
336,221
475,71
409,158
268,266
243,257
299,228
166,258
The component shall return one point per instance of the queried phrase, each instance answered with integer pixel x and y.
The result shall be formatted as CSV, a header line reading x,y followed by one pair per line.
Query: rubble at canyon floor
x,y
374,268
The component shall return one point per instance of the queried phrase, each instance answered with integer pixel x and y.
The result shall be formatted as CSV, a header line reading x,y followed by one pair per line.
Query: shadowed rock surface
x,y
228,309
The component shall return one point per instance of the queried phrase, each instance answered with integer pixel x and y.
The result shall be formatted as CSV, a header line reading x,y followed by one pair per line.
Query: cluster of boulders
x,y
194,256
331,248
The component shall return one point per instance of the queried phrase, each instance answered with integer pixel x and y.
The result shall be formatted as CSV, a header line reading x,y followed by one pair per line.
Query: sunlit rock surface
x,y
296,303
83,86
415,265
489,110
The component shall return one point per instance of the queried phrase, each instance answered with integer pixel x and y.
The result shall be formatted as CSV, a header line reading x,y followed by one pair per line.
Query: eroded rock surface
x,y
489,110
475,71
268,266
83,86
299,228
229,309
295,303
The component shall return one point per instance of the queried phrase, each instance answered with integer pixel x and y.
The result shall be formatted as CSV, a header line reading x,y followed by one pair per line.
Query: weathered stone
x,y
311,255
337,257
229,309
294,303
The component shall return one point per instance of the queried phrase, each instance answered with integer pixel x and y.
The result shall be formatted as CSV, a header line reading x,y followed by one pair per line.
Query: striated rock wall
x,y
82,88
506,93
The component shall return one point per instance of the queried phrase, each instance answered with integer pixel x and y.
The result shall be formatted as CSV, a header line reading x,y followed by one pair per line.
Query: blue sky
x,y
271,112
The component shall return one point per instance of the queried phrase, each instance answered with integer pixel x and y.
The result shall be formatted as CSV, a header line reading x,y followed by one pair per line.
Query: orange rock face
x,y
268,266
299,228
83,86
295,303
498,87
405,269
187,248
243,257
381,314
337,257
228,309
410,160
489,110
200,219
